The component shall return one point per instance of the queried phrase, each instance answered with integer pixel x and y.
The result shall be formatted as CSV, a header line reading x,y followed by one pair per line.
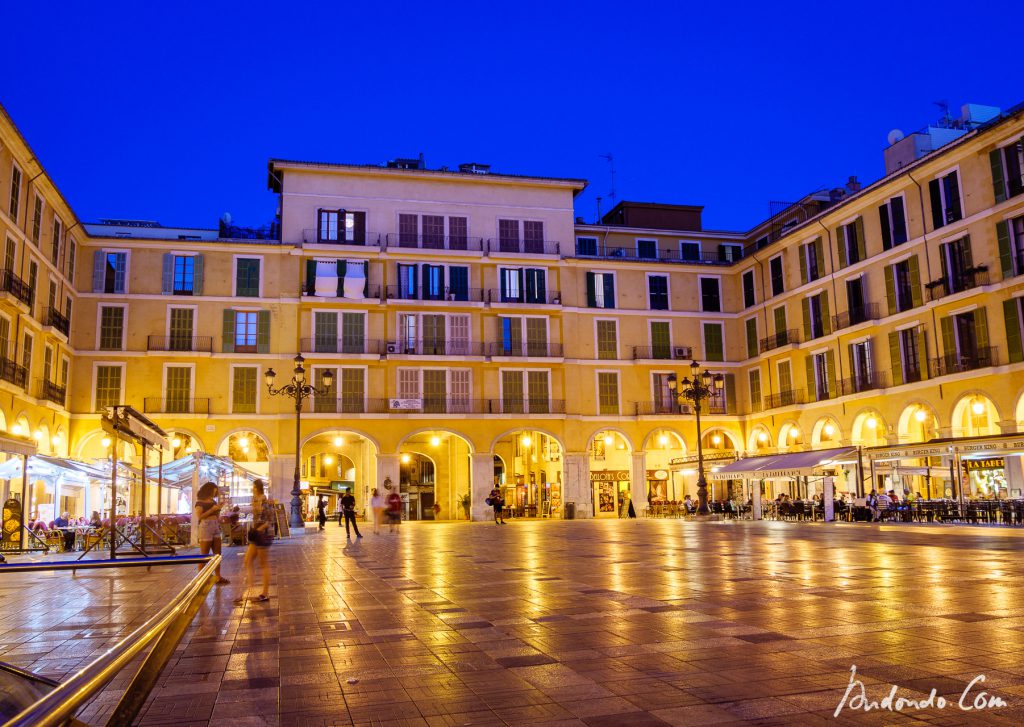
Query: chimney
x,y
852,185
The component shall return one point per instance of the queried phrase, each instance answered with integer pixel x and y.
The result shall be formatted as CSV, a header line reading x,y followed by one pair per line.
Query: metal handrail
x,y
65,700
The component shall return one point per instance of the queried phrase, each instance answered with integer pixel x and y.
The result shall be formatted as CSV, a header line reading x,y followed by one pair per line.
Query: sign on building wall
x,y
609,476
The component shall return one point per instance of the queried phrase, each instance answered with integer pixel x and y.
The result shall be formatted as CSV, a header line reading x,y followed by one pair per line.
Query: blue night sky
x,y
154,111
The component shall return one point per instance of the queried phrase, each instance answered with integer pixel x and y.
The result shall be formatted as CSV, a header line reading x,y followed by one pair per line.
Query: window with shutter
x,y
408,383
710,295
689,251
353,333
752,347
511,285
56,241
37,220
754,383
785,370
108,386
749,297
586,247
458,233
458,335
458,283
538,393
647,249
244,389
178,389
181,328
325,332
434,339
508,235
435,391
535,284
657,292
661,343
536,337
247,277
408,230
608,392
511,336
327,226
111,328
15,200
781,326
533,236
910,356
246,338
776,274
512,392
5,338
944,193
607,340
352,392
433,231
325,400
714,346
407,282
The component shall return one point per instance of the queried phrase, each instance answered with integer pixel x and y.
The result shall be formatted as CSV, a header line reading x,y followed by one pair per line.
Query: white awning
x,y
778,466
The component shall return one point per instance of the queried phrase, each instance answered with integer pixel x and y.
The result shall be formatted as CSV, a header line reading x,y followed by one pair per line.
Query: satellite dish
x,y
226,217
894,136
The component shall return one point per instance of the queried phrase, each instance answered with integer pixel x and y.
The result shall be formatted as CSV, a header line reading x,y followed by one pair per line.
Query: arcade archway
x,y
531,472
611,472
335,462
435,471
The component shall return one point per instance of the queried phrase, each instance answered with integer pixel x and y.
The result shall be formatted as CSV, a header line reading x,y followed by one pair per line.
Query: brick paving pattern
x,y
614,623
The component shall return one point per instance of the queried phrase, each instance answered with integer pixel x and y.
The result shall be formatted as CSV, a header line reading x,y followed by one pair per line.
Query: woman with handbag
x,y
260,538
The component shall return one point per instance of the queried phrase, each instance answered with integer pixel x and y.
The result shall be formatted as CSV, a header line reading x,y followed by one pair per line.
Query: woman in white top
x,y
376,507
208,516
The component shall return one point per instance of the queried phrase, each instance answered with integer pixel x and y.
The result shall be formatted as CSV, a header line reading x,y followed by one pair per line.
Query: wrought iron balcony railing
x,y
175,405
969,279
463,295
854,316
527,247
525,350
50,391
791,397
199,344
780,339
340,346
434,242
11,283
548,297
953,363
54,318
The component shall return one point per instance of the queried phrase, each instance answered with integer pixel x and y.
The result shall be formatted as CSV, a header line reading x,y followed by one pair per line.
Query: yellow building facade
x,y
476,334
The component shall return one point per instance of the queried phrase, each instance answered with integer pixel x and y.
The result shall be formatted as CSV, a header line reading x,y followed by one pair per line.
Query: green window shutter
x,y
803,264
922,352
995,158
861,242
713,342
1011,314
826,318
981,328
841,245
968,257
310,277
167,279
819,253
894,358
805,304
730,393
263,331
780,320
830,365
948,337
915,281
883,221
935,197
198,275
890,289
1005,256
812,392
228,330
751,337
591,292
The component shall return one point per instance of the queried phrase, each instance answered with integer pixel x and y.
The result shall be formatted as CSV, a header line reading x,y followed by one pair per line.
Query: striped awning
x,y
781,466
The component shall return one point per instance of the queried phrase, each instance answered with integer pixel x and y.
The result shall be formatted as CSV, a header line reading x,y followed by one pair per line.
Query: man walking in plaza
x,y
348,508
498,503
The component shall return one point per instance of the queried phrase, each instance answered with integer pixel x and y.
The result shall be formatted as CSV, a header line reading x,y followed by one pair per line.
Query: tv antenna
x,y
611,173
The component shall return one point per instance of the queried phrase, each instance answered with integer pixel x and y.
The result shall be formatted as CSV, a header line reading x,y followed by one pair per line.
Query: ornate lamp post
x,y
703,386
298,390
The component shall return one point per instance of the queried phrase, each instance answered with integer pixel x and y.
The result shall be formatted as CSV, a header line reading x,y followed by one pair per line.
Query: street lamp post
x,y
704,385
298,390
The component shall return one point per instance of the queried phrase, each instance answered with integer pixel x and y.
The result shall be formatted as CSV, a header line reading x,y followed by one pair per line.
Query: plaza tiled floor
x,y
628,623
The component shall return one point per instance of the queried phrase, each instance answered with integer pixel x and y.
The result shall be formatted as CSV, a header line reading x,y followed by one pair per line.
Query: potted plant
x,y
466,503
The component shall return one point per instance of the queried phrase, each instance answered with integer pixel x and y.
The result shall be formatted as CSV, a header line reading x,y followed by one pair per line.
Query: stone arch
x,y
653,439
341,429
864,434
760,438
786,438
59,440
974,414
826,432
614,430
517,430
918,422
432,430
42,436
729,439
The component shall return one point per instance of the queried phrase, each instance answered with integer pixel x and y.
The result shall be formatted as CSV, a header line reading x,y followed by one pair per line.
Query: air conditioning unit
x,y
683,352
686,409
392,348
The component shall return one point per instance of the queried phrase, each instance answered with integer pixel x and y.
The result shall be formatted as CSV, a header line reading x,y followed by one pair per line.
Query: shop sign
x,y
405,403
992,463
934,450
1011,445
657,474
609,475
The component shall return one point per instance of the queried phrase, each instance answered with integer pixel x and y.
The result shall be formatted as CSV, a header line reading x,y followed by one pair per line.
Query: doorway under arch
x,y
449,454
532,475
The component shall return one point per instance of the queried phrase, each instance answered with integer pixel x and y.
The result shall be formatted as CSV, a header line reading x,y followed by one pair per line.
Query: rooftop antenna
x,y
611,173
946,120
598,211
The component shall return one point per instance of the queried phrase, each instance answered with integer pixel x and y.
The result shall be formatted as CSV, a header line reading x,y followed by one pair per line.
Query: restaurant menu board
x,y
282,520
606,496
11,523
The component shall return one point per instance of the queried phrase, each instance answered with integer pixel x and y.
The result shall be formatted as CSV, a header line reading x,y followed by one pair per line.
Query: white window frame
x,y
10,333
700,250
650,336
95,379
778,374
753,278
700,292
615,285
127,267
195,319
636,247
42,215
234,273
668,288
703,342
942,192
782,263
124,323
906,219
526,385
191,383
597,243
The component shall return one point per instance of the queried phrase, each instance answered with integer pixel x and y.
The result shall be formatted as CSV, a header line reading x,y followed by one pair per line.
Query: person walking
x,y
498,503
321,511
338,510
208,515
348,505
260,538
376,509
394,503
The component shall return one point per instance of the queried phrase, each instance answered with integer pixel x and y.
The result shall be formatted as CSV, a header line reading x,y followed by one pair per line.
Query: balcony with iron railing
x,y
460,243
524,349
433,405
544,297
953,363
16,287
538,405
967,280
370,292
666,255
50,391
12,373
457,295
780,339
855,316
662,353
434,348
652,408
858,384
197,344
791,397
56,320
175,405
522,247
368,239
326,344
